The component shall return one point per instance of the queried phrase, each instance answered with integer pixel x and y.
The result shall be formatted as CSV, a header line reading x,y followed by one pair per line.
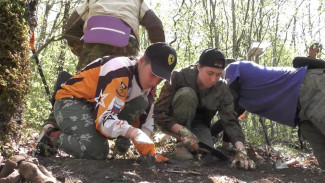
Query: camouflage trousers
x,y
80,137
312,112
184,106
92,51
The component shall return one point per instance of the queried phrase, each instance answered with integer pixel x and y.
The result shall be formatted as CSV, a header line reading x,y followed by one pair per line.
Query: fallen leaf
x,y
133,174
291,162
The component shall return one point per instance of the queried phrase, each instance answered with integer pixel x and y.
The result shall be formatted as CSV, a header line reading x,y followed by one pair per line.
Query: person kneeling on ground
x,y
105,100
290,96
188,103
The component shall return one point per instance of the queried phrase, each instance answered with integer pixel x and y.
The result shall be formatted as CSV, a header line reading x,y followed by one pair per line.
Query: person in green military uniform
x,y
100,28
188,103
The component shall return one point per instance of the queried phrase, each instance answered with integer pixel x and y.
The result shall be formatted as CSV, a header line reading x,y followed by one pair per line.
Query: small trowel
x,y
214,152
152,164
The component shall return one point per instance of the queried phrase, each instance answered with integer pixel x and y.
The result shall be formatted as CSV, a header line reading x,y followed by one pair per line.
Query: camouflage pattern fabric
x,y
312,98
312,107
184,106
122,145
316,139
132,111
80,137
204,107
92,51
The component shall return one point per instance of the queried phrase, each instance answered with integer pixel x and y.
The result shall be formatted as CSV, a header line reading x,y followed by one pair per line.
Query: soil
x,y
299,166
68,169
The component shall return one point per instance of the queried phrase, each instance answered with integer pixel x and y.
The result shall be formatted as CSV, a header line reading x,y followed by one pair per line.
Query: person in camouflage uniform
x,y
132,13
290,96
188,103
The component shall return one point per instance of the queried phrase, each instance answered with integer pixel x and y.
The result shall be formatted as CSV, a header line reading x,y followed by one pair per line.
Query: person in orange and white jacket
x,y
108,99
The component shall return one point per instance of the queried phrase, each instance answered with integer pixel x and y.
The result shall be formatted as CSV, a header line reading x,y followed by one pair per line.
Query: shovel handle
x,y
151,161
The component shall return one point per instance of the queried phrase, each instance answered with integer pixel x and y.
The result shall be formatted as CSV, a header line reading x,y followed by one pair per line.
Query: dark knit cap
x,y
212,57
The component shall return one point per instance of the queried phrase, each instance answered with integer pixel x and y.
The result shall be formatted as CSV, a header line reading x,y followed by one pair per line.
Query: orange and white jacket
x,y
109,83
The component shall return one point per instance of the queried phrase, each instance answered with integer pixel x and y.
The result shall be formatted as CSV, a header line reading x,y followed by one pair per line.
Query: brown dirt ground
x,y
68,170
133,168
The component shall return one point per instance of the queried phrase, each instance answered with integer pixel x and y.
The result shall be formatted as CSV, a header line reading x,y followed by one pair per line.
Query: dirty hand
x,y
142,142
189,139
243,159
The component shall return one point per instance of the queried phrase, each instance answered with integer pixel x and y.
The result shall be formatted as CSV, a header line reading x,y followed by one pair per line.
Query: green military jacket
x,y
217,98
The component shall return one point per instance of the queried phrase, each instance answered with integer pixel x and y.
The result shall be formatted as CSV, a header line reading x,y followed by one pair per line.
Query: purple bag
x,y
107,30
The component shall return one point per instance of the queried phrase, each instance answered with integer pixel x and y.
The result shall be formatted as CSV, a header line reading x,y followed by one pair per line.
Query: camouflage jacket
x,y
218,98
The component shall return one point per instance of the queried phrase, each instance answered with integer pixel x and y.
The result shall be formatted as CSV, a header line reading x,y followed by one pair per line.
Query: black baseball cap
x,y
163,59
212,57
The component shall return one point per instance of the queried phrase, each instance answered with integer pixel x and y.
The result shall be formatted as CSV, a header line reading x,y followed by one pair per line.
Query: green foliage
x,y
190,27
38,104
283,58
14,66
276,132
56,56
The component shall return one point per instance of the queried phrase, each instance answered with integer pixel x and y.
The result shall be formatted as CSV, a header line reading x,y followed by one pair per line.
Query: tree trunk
x,y
234,29
64,46
14,68
262,121
42,37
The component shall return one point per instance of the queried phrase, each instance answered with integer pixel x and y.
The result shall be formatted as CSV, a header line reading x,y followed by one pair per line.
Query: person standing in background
x,y
314,50
100,28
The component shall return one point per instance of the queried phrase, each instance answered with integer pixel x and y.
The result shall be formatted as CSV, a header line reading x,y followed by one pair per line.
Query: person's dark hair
x,y
229,61
316,46
146,59
212,57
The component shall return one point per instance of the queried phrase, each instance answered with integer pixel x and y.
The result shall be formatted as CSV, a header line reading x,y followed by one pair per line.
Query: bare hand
x,y
189,139
243,159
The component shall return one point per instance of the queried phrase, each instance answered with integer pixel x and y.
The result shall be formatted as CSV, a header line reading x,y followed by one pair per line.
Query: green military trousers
x,y
184,104
312,112
80,137
92,51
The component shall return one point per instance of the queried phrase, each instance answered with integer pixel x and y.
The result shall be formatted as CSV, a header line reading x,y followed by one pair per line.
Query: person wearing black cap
x,y
188,103
105,100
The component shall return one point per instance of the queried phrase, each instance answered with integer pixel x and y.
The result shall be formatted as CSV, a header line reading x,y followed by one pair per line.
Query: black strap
x,y
62,78
309,62
40,70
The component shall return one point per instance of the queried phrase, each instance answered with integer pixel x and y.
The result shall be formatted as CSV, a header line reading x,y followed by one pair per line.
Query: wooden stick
x,y
184,172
